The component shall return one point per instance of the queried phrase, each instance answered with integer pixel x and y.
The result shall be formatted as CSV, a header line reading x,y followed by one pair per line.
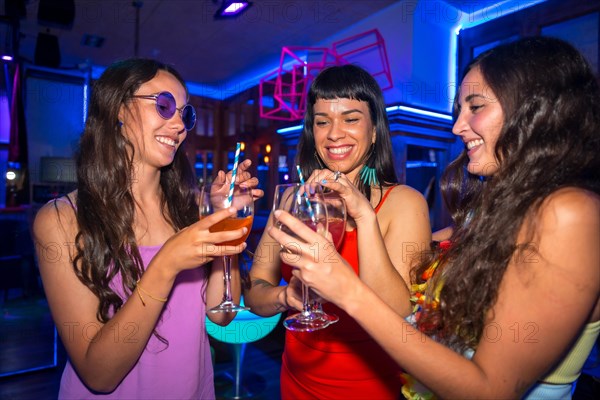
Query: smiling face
x,y
479,123
155,139
343,133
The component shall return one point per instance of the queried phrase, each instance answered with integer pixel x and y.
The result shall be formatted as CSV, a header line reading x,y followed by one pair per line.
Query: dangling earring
x,y
368,175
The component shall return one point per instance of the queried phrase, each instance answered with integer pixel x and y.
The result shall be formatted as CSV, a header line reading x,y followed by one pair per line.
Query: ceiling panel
x,y
183,32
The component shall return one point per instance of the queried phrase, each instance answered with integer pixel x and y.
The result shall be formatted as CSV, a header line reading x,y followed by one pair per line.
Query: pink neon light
x,y
288,85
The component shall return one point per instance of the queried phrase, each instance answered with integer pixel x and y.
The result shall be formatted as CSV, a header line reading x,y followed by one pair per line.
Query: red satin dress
x,y
341,361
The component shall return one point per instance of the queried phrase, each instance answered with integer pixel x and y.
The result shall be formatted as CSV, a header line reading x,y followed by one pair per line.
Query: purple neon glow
x,y
235,8
7,57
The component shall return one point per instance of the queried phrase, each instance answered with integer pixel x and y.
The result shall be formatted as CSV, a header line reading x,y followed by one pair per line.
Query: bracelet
x,y
140,289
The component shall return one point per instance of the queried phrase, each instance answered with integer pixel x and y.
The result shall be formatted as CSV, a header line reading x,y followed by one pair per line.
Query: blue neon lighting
x,y
201,165
414,110
420,164
494,11
290,129
86,90
390,109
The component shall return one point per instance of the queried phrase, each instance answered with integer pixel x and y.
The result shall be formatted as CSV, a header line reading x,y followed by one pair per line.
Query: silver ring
x,y
336,176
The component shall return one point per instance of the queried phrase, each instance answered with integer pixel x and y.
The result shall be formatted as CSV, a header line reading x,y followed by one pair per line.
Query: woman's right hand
x,y
323,270
196,245
357,205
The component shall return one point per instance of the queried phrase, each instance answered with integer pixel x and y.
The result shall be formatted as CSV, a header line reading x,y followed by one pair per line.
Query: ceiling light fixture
x,y
232,9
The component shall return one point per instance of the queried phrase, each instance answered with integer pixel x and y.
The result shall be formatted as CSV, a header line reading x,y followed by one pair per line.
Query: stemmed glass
x,y
212,200
336,223
306,203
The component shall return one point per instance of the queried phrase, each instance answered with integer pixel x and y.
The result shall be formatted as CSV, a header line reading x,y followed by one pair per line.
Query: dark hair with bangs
x,y
349,82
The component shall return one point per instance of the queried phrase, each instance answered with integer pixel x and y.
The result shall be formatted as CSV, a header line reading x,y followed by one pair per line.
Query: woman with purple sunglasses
x,y
124,259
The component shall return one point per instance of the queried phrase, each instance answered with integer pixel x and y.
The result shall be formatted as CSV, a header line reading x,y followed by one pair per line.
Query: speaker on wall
x,y
59,13
47,51
15,8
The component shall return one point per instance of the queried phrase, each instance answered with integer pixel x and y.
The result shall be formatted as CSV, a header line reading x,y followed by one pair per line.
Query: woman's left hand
x,y
315,260
243,178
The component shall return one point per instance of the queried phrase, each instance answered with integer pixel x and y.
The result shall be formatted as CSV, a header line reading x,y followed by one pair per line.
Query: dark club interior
x,y
247,76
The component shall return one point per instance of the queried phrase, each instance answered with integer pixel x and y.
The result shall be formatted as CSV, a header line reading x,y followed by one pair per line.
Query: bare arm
x,y
543,302
102,353
404,222
442,234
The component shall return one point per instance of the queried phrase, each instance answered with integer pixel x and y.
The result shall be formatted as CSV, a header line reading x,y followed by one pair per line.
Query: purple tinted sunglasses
x,y
166,107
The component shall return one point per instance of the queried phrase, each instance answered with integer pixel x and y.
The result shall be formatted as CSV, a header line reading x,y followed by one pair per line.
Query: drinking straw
x,y
234,173
310,210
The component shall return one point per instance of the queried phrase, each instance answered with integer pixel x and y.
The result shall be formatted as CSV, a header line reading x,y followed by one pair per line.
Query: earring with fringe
x,y
368,175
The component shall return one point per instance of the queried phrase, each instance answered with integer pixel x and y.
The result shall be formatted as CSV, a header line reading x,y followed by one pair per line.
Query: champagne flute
x,y
306,203
213,200
336,223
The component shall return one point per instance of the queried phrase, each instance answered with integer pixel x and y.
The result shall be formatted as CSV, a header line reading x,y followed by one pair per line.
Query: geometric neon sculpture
x,y
288,85
366,50
283,92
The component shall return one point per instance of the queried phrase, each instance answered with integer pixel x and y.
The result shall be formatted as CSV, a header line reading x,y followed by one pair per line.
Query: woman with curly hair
x,y
124,259
511,309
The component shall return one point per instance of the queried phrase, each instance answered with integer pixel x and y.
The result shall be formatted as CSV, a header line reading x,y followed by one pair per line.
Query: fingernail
x,y
244,230
277,213
324,181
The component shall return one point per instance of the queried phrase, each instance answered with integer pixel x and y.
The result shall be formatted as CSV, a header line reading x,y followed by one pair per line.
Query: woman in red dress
x,y
346,135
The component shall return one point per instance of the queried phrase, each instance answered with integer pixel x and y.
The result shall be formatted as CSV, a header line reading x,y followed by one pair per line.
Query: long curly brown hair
x,y
105,243
549,140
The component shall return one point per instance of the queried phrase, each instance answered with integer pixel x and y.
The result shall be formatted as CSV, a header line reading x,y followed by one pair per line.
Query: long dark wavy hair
x,y
549,140
105,243
349,82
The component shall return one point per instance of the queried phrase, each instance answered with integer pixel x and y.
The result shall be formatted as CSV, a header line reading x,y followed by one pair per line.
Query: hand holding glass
x,y
210,202
336,224
306,203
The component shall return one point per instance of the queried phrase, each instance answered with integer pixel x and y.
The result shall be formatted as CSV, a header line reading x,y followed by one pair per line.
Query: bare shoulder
x,y
56,218
405,197
565,232
570,207
405,211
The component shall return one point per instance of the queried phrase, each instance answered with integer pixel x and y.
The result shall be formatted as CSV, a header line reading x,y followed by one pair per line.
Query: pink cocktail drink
x,y
337,228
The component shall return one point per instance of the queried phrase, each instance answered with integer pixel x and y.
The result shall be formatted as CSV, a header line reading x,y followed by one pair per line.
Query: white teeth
x,y
474,143
165,140
340,150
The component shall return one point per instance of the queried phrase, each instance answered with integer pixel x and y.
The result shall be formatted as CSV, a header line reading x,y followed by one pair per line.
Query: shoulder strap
x,y
385,196
65,199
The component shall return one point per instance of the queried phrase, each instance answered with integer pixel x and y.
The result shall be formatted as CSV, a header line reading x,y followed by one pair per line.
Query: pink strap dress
x,y
181,369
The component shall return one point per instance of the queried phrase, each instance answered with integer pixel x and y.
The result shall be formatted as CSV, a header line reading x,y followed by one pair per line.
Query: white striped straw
x,y
234,173
310,210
